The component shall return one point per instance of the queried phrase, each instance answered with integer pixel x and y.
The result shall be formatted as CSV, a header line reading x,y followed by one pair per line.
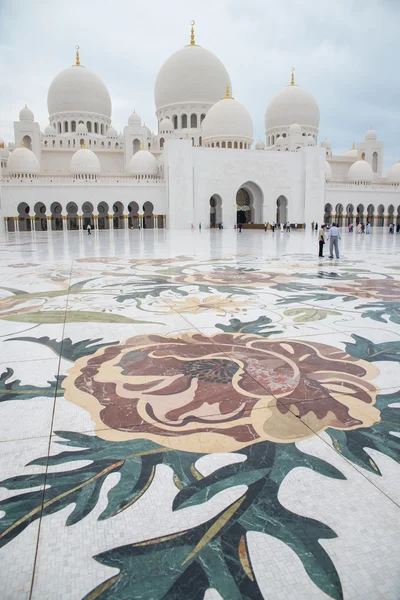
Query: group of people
x,y
333,236
391,228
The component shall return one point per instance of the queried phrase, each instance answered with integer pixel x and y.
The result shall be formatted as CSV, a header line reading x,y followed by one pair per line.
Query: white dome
x,y
85,162
191,75
310,140
77,89
166,124
147,131
50,130
22,160
295,129
328,171
143,163
25,114
134,120
361,170
292,105
393,174
260,145
371,135
81,128
111,132
325,143
352,152
227,119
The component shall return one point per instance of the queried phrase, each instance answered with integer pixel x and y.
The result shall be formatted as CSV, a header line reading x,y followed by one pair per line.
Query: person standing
x,y
240,228
368,228
288,227
89,229
312,225
316,226
321,241
265,226
334,237
199,226
273,226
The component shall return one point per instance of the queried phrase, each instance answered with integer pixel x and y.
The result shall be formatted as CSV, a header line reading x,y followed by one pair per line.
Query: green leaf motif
x,y
66,349
379,310
77,316
305,315
367,350
260,326
13,390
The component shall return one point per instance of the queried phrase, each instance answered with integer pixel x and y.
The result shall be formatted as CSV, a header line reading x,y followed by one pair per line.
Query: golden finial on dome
x,y
227,92
77,59
21,144
84,145
353,146
142,148
192,40
292,79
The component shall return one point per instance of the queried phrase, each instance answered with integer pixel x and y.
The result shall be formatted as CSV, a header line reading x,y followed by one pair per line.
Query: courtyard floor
x,y
199,415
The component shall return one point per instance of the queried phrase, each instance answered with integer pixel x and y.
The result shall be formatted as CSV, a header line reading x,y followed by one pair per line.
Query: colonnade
x,y
13,224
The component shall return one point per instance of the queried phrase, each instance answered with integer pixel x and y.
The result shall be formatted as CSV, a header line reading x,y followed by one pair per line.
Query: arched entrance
x,y
349,214
23,217
360,214
328,214
136,145
390,214
148,219
103,221
118,211
339,215
87,209
249,201
72,214
282,209
370,214
381,213
56,217
215,210
27,141
133,218
40,216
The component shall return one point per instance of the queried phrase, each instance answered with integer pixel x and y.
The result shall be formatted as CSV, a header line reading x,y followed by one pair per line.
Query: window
x,y
69,143
184,121
223,145
241,145
212,145
66,126
283,134
45,143
229,144
192,141
217,145
73,126
363,156
175,121
200,141
161,143
149,145
89,126
193,120
202,118
59,127
96,128
102,129
273,140
235,145
375,162
60,143
82,142
54,143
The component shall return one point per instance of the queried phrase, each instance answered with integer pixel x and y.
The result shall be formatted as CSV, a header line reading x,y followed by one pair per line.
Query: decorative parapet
x,y
349,185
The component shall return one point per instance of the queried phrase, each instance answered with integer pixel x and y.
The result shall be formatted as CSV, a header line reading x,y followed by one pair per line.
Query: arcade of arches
x,y
377,216
104,216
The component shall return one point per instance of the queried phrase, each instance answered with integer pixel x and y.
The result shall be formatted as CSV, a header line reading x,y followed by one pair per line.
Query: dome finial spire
x,y
22,145
142,148
77,59
192,40
227,92
292,79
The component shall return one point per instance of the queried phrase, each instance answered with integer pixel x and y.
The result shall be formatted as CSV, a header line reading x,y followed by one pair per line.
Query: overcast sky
x,y
346,53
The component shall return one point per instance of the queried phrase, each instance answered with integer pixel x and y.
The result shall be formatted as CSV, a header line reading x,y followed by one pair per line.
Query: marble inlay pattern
x,y
199,415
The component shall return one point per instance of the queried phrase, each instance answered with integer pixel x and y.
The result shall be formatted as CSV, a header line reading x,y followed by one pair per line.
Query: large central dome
x,y
76,89
191,75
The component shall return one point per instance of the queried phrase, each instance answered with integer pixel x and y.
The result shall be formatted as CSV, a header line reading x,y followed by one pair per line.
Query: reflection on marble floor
x,y
189,415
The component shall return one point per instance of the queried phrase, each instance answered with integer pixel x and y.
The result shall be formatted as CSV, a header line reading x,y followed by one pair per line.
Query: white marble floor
x,y
199,415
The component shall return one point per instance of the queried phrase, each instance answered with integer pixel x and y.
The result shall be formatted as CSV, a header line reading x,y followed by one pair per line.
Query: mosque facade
x,y
202,166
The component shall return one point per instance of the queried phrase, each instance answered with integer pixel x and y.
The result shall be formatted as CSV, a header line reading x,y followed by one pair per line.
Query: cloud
x,y
345,53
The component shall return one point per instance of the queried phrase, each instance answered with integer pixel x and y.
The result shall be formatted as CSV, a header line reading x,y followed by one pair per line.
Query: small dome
x,y
134,120
143,163
227,119
310,140
50,130
85,162
190,75
81,128
147,131
393,175
325,143
22,160
371,135
291,105
166,124
111,132
25,114
352,152
328,171
260,145
295,129
361,170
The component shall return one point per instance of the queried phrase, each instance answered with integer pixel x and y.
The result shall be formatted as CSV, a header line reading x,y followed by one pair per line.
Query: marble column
x,y
80,223
164,221
155,221
95,221
32,223
6,219
49,220
16,223
64,222
140,220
